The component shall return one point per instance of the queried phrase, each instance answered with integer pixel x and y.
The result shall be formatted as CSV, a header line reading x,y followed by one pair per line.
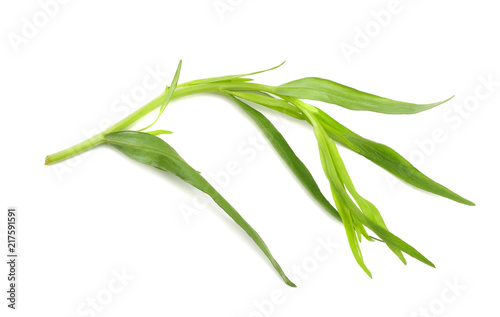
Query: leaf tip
x,y
278,65
366,270
290,283
468,202
464,201
453,96
444,101
402,258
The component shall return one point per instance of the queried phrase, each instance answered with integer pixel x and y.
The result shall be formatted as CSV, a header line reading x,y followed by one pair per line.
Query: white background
x,y
84,221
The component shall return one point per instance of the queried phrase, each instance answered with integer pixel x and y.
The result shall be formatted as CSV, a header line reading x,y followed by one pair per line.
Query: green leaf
x,y
287,154
228,77
170,91
151,150
387,158
320,89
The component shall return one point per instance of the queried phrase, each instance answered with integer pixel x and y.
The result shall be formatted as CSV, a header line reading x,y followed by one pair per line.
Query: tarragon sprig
x,y
358,215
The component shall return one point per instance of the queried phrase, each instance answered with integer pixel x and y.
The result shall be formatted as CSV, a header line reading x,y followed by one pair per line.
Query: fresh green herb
x,y
357,214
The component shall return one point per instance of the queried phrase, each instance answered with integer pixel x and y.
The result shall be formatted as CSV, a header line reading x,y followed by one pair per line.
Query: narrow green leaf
x,y
170,91
151,150
387,158
314,88
228,77
288,155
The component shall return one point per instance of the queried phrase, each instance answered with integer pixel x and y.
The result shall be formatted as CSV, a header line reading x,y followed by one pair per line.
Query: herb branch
x,y
358,215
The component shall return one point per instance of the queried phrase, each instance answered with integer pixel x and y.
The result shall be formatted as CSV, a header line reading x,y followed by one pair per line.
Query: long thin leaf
x,y
288,155
386,158
151,150
229,77
170,91
314,88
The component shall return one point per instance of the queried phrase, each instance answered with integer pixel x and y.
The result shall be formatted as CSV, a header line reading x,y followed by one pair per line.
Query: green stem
x,y
181,91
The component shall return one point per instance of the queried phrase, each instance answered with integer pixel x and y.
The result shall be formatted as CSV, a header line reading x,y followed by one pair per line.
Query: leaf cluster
x,y
358,215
